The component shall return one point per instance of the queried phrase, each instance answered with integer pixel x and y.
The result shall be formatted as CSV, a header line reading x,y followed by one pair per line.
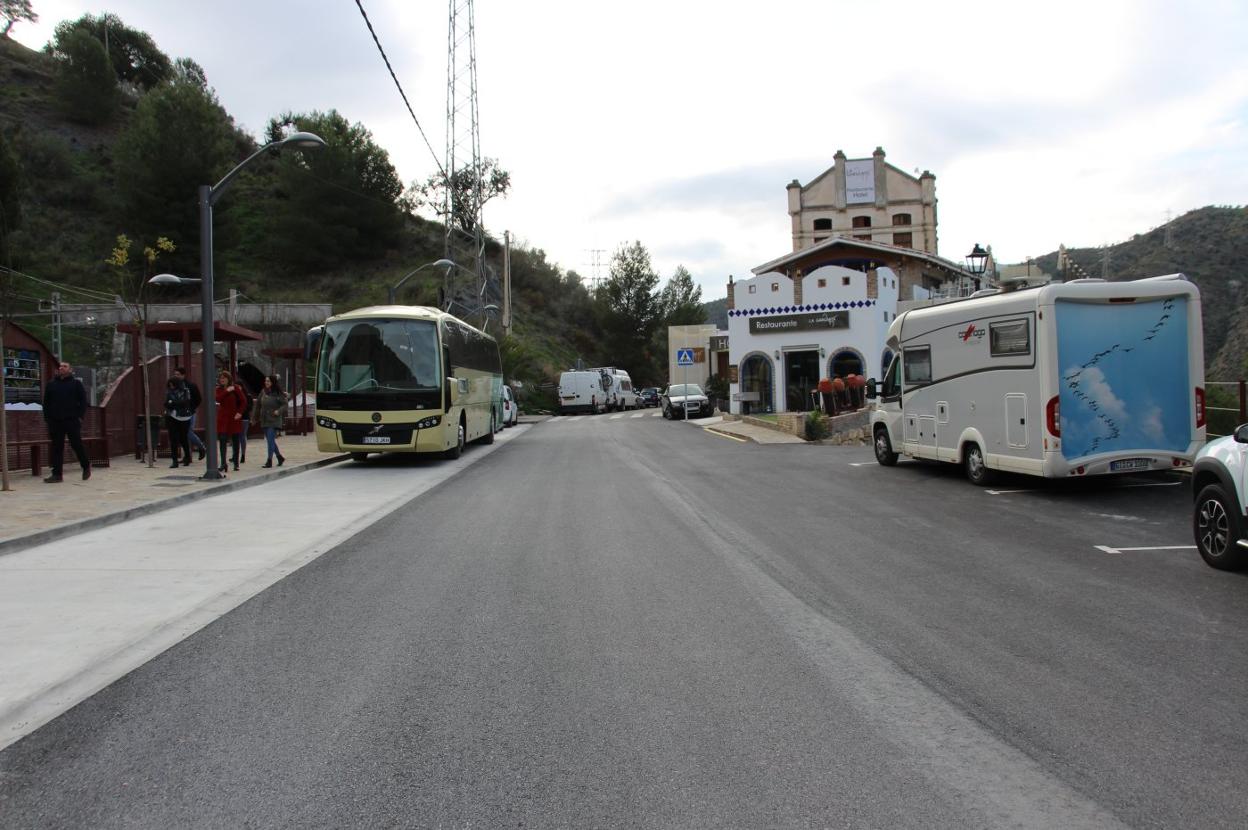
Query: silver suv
x,y
1220,515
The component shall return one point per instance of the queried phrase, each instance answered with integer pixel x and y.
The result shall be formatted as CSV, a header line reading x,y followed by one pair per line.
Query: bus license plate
x,y
1130,464
376,439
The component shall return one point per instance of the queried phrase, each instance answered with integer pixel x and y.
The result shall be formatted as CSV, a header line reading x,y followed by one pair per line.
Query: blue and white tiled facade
x,y
868,299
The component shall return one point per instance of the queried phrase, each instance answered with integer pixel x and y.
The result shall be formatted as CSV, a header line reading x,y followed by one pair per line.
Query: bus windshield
x,y
366,356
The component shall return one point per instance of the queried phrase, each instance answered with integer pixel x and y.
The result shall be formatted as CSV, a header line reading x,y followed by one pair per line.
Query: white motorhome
x,y
1069,379
582,391
620,392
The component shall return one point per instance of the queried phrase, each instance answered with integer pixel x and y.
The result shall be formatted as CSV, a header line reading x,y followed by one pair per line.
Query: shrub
x,y
817,427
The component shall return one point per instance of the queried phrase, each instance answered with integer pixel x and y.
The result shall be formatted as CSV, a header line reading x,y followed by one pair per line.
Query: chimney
x,y
732,303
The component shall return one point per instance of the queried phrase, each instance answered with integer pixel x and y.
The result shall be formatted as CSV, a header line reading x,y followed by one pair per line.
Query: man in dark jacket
x,y
196,399
64,405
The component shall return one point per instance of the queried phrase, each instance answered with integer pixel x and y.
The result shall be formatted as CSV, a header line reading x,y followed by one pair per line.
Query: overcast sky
x,y
679,123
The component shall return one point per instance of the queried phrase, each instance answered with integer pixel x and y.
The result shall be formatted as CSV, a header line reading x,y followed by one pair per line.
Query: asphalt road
x,y
631,622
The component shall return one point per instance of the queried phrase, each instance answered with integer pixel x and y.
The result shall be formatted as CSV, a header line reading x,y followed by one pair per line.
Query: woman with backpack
x,y
231,402
270,413
178,412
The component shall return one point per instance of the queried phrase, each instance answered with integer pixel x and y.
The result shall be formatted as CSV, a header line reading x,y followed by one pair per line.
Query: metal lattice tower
x,y
465,236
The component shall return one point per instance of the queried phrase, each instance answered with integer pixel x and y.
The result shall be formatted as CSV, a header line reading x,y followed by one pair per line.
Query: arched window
x,y
756,384
823,224
845,362
862,221
901,219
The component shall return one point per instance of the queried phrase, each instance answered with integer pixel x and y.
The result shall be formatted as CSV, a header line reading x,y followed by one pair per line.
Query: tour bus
x,y
583,391
1069,379
404,379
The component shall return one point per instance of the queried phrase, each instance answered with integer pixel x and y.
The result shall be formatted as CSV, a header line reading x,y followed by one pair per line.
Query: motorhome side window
x,y
918,365
1009,338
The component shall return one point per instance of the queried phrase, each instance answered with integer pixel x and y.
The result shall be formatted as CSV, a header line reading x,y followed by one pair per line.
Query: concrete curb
x,y
19,543
734,436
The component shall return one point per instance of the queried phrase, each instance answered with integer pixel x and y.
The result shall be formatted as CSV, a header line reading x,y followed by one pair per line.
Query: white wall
x,y
869,318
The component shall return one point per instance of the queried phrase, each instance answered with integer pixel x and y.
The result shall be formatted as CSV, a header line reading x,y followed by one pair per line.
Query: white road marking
x,y
638,415
576,417
655,414
1108,549
726,435
614,417
863,463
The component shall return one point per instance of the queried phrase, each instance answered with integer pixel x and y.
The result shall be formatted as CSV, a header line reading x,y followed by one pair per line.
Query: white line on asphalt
x,y
655,414
638,415
1108,549
576,417
613,417
862,463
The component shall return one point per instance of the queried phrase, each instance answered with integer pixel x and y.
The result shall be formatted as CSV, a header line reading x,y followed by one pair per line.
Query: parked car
x,y
685,400
1220,512
511,410
649,396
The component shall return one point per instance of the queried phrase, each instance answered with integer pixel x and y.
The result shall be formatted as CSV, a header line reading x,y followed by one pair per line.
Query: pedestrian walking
x,y
178,414
64,405
196,399
270,413
230,404
242,433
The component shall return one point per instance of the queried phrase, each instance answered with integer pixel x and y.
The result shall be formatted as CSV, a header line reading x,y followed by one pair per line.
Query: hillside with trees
x,y
105,141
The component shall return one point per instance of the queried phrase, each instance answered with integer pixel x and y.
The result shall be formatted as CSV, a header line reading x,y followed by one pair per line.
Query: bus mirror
x,y
312,343
872,393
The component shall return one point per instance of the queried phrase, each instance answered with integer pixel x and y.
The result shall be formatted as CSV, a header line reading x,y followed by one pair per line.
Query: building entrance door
x,y
801,373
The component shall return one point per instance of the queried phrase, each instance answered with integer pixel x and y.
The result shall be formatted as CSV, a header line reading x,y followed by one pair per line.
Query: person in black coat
x,y
64,405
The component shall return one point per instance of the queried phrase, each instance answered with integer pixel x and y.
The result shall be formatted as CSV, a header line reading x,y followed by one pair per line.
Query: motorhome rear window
x,y
918,364
1011,337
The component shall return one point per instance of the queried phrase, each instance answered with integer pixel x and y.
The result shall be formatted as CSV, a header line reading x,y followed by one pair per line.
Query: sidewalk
x,y
34,507
750,432
80,612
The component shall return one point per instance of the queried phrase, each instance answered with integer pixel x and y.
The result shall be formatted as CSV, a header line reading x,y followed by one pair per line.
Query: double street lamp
x,y
439,263
208,196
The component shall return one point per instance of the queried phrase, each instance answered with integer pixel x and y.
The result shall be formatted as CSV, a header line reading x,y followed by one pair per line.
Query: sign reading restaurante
x,y
799,322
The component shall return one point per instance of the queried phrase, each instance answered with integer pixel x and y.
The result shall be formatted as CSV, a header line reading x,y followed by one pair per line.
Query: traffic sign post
x,y
684,358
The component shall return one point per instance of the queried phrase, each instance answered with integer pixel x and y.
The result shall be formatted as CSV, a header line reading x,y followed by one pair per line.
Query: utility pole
x,y
506,283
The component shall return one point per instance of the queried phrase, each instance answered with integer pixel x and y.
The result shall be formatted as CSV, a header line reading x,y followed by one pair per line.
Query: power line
x,y
86,292
402,94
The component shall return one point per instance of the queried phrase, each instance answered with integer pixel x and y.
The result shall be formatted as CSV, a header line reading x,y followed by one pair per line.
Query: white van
x,y
1069,379
582,392
619,388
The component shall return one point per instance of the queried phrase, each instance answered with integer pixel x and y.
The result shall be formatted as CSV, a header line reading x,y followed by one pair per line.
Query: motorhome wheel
x,y
884,448
976,470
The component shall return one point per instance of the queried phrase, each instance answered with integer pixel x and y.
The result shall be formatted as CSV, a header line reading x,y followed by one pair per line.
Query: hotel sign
x,y
719,343
784,323
859,181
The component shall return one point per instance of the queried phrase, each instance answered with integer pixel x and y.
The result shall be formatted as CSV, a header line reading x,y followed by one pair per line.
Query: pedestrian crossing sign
x,y
684,357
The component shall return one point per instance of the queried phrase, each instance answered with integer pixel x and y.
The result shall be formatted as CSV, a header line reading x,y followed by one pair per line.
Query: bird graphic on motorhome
x,y
1097,415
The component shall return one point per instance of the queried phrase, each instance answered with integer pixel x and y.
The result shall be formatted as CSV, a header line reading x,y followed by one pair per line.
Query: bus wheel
x,y
488,438
458,449
884,448
976,470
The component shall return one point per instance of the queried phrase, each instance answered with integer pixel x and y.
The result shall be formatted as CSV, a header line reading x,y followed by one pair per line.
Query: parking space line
x,y
576,417
1115,551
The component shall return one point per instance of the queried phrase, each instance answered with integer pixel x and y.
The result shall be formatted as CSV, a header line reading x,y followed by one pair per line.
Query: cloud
x,y
740,189
1152,426
1098,390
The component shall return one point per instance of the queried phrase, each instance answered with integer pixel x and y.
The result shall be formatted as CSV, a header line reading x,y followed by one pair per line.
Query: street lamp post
x,y
208,196
977,261
440,263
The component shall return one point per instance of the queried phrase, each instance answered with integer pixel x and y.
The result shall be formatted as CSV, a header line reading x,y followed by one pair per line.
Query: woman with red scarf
x,y
231,404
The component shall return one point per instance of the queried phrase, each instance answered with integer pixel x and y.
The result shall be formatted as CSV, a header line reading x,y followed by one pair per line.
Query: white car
x,y
1220,512
511,410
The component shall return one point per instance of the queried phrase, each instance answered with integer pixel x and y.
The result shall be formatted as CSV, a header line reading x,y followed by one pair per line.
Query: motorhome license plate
x,y
376,439
1130,464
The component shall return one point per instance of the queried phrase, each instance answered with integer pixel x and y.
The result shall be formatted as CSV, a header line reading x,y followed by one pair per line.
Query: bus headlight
x,y
328,423
427,423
